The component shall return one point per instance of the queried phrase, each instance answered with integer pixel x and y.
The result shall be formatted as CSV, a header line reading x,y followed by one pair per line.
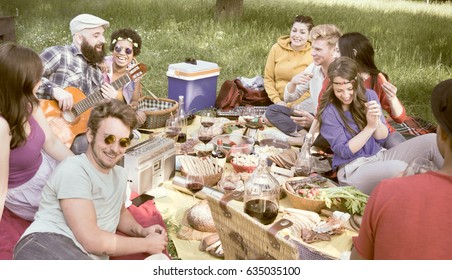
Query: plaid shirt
x,y
65,66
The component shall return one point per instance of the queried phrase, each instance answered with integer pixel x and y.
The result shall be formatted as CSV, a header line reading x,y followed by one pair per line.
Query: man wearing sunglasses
x,y
76,65
82,204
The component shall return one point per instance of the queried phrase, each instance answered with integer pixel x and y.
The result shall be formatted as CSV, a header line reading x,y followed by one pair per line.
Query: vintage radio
x,y
235,113
149,163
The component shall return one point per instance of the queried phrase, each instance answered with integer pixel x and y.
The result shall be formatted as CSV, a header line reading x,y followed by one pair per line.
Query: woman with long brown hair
x,y
358,47
352,122
31,150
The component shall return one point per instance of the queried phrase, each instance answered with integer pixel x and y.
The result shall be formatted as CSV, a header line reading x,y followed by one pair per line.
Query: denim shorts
x,y
48,246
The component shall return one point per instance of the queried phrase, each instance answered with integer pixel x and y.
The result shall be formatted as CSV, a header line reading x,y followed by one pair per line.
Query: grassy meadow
x,y
412,39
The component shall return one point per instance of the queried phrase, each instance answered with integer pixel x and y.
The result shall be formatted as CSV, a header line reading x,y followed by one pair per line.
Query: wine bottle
x,y
182,117
219,155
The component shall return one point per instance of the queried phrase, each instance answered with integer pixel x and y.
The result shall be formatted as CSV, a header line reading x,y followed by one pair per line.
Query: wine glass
x,y
172,128
419,165
248,113
194,183
297,110
205,135
207,118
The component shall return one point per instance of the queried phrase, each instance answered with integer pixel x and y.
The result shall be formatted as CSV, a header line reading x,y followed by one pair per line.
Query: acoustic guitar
x,y
70,123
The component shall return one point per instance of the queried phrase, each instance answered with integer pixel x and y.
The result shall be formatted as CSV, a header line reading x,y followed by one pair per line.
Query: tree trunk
x,y
229,9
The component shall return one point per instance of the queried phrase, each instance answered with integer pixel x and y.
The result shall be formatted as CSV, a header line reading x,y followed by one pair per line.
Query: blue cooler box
x,y
197,83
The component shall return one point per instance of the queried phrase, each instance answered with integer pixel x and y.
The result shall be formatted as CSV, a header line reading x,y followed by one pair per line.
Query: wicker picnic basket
x,y
157,111
243,237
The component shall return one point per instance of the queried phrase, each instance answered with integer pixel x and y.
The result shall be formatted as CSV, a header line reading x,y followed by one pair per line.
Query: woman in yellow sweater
x,y
288,57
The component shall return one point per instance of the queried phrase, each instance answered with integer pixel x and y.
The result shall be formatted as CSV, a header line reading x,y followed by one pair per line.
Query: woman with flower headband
x,y
125,45
358,47
352,122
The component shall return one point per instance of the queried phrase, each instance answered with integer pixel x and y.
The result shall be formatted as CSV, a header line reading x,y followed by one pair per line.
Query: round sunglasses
x,y
123,142
118,49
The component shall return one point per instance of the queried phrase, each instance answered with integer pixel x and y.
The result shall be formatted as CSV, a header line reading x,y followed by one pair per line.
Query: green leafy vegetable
x,y
351,198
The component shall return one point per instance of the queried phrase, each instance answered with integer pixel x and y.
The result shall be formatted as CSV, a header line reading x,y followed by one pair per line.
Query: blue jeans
x,y
279,116
48,246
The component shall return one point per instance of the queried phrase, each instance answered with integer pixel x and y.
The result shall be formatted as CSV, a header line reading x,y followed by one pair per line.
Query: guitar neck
x,y
97,96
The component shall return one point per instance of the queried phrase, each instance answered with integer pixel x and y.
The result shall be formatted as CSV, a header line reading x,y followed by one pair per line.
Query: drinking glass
x,y
419,165
248,113
194,183
296,112
172,128
205,135
207,118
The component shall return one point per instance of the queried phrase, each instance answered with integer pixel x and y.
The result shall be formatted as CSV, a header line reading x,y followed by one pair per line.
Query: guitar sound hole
x,y
69,116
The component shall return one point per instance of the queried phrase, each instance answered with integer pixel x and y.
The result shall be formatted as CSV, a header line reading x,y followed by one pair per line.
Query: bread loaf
x,y
200,218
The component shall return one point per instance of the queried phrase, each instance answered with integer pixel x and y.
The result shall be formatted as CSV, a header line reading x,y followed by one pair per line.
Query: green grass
x,y
412,39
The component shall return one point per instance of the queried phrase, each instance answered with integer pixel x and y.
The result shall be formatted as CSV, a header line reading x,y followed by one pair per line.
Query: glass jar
x,y
261,196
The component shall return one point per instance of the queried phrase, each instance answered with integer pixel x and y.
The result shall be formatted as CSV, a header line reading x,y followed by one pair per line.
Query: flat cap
x,y
441,102
84,21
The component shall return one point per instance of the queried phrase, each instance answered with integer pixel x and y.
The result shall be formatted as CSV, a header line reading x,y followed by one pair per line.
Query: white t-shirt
x,y
315,86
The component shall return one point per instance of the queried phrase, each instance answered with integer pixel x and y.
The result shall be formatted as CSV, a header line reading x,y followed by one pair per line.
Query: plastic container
x,y
197,83
234,143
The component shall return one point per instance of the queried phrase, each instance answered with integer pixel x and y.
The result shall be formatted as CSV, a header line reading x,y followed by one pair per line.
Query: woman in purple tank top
x,y
32,149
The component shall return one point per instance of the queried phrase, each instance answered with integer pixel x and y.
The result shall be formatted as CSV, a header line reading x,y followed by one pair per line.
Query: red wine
x,y
229,188
205,139
172,131
265,211
207,124
182,138
194,187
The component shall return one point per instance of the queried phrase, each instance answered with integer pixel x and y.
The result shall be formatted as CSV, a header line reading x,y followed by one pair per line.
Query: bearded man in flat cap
x,y
76,65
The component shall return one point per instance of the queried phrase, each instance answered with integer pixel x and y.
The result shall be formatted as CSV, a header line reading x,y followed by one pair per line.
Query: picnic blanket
x,y
413,127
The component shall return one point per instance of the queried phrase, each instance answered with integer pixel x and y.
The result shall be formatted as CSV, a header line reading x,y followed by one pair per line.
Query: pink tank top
x,y
24,161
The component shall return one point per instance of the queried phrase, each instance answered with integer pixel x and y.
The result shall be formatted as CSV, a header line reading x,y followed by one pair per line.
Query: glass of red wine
x,y
205,135
207,118
194,183
172,128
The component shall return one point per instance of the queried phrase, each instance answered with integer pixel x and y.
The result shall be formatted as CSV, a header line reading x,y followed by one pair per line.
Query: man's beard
x,y
96,154
91,54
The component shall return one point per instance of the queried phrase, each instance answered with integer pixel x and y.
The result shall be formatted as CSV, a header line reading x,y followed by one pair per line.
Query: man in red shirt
x,y
409,217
